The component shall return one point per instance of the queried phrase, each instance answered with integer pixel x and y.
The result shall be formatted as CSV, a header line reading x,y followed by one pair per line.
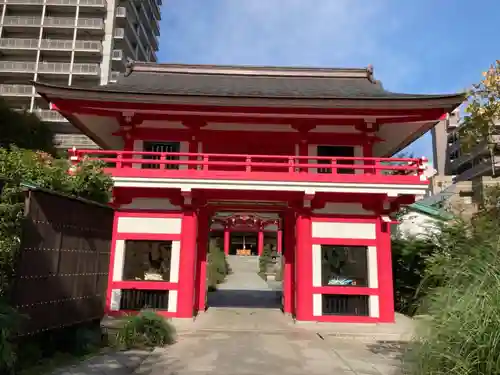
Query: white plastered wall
x,y
138,146
184,147
151,204
349,231
144,225
344,209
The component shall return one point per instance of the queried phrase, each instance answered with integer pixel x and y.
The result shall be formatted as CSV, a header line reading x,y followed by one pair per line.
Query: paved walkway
x,y
244,333
229,341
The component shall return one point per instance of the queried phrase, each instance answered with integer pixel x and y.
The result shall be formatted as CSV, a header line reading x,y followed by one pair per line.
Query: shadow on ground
x,y
245,298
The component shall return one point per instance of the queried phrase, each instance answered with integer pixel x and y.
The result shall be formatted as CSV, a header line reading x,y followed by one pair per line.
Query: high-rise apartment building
x,y
71,42
450,160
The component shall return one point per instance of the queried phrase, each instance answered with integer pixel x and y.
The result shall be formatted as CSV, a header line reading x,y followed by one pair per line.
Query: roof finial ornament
x,y
369,69
129,67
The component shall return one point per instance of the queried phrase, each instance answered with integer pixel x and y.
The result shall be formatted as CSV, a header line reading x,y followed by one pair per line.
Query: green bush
x,y
217,266
265,259
145,330
9,322
409,256
462,279
42,170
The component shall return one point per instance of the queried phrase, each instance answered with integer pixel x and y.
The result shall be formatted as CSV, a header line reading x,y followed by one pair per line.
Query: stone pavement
x,y
244,333
229,341
120,363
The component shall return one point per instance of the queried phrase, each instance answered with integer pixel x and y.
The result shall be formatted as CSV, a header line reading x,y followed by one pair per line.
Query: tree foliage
x,y
42,170
482,111
217,265
24,130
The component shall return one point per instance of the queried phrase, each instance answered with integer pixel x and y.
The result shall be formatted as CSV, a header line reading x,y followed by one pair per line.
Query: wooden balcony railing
x,y
269,167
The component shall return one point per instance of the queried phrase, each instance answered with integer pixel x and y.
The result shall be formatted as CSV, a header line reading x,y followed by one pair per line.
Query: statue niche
x,y
147,260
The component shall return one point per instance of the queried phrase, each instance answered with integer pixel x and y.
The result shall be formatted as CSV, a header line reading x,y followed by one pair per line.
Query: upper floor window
x,y
336,151
161,147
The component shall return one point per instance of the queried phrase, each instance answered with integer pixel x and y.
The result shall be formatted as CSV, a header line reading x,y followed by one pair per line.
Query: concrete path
x,y
244,333
235,341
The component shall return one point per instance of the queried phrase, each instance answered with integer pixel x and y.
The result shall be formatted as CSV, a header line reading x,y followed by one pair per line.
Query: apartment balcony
x,y
261,172
17,90
66,141
15,44
49,68
55,22
47,115
487,167
479,149
97,4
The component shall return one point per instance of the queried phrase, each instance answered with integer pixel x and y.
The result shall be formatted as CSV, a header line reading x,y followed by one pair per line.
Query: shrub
x,y
409,257
9,322
145,330
217,266
265,259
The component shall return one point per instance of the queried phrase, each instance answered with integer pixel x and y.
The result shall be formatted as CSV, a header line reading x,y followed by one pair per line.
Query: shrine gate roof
x,y
252,82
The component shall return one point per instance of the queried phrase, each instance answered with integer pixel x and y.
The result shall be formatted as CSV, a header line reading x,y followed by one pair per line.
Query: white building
x,y
420,220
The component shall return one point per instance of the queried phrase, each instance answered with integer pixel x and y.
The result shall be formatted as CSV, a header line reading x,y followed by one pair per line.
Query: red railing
x,y
198,164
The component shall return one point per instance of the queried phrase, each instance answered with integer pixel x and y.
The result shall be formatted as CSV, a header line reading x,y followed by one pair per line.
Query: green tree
x,y
482,114
43,170
24,130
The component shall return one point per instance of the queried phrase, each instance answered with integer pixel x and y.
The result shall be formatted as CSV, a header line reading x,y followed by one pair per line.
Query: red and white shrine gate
x,y
311,146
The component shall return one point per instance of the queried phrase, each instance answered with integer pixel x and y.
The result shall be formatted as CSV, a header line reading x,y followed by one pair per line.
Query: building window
x,y
344,265
147,260
336,151
136,300
161,147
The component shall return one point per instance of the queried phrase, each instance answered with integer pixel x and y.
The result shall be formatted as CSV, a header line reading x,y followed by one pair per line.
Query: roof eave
x,y
449,100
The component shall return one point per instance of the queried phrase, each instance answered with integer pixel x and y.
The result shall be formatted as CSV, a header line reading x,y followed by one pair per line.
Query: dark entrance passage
x,y
242,243
245,288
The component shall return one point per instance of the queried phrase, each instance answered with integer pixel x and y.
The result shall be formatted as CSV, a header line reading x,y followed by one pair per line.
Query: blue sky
x,y
419,46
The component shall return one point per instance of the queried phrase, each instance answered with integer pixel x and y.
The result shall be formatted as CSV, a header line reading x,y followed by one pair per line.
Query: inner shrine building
x,y
300,158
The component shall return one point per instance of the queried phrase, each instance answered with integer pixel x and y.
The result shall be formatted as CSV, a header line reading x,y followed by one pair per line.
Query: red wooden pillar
x,y
227,240
279,240
289,254
260,242
201,262
186,285
384,267
303,267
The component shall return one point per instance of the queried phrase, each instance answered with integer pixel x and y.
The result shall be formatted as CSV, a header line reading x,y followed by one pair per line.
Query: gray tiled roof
x,y
252,82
